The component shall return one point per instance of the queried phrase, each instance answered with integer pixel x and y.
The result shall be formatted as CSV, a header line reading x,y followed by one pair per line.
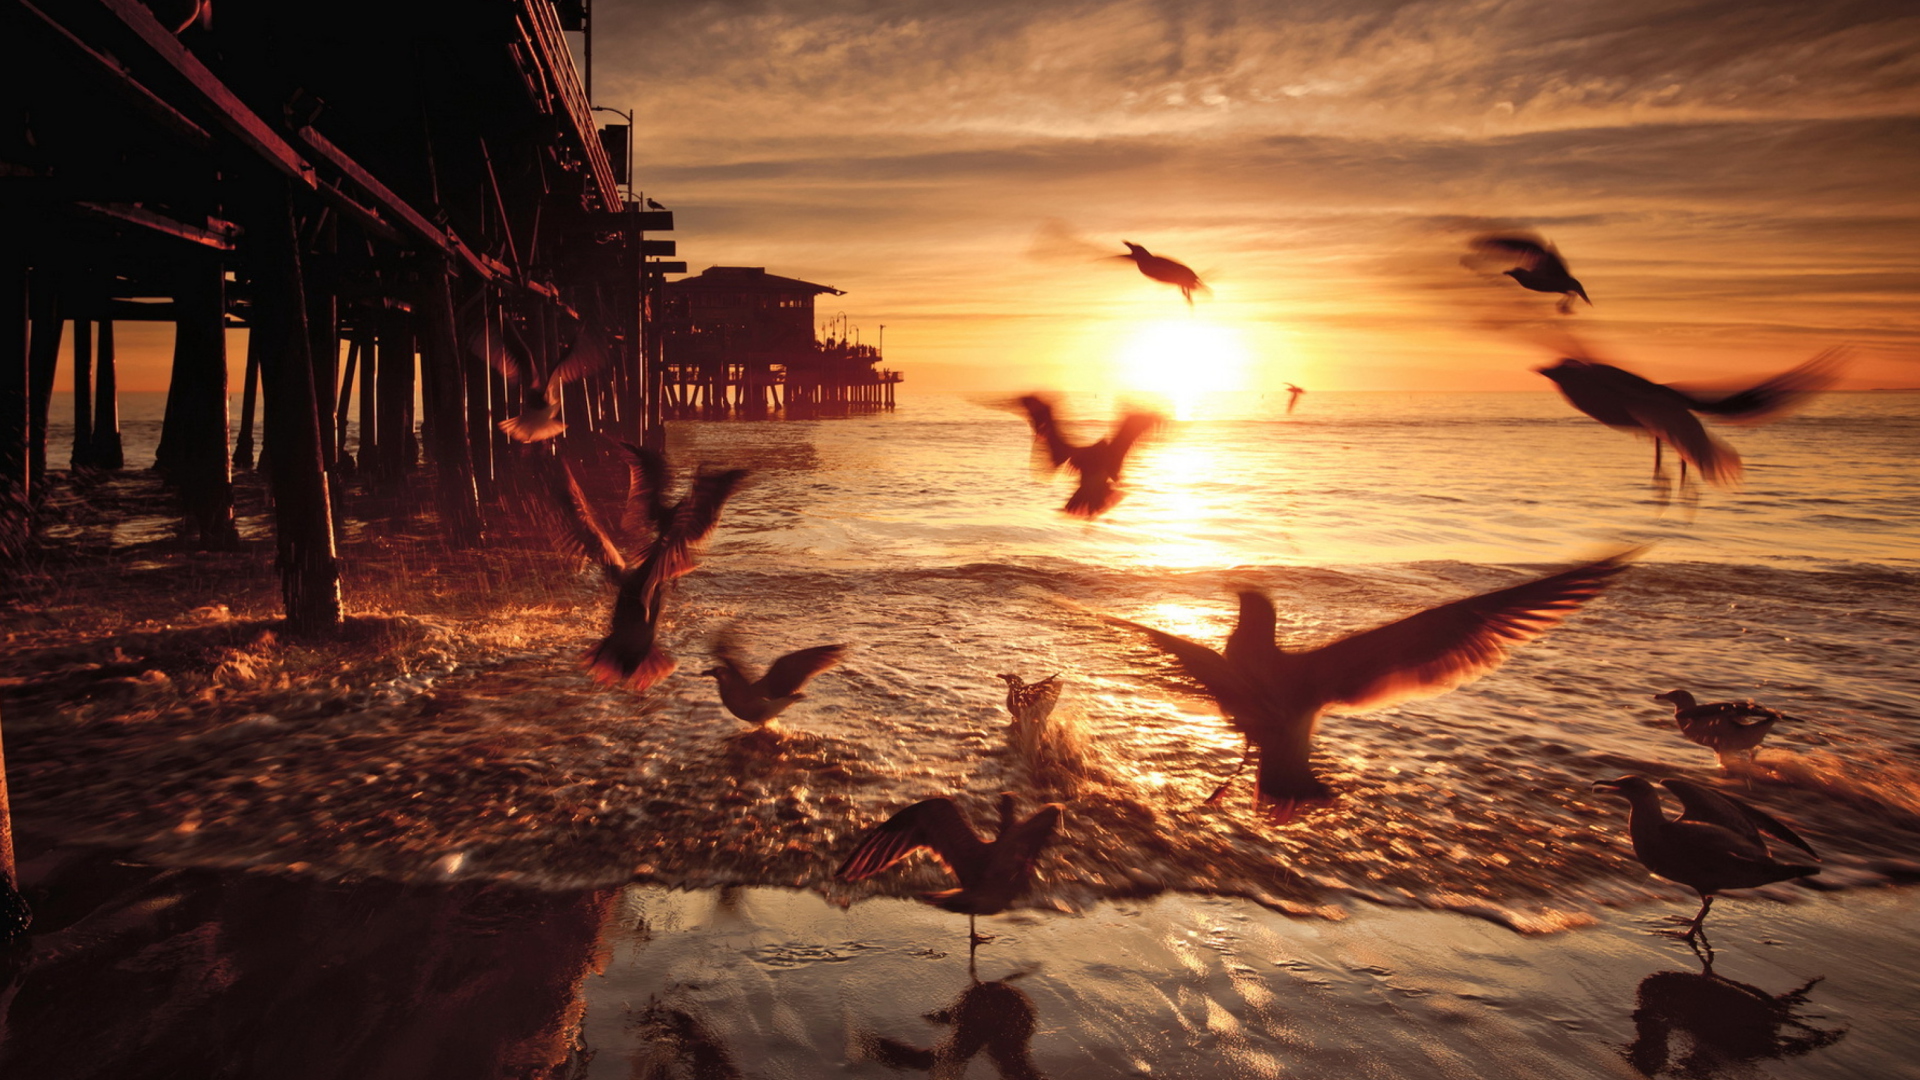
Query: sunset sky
x,y
1737,184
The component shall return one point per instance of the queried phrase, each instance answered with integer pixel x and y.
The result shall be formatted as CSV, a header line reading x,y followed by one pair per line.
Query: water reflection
x,y
995,1017
1722,1025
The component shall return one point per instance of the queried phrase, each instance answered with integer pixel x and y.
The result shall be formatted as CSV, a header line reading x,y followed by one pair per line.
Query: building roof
x,y
736,278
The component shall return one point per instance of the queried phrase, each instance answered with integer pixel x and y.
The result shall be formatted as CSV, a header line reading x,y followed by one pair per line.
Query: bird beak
x,y
1609,787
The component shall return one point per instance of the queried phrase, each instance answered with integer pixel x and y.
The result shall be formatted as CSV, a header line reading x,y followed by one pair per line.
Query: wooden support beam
x,y
440,367
107,452
122,80
42,360
243,443
368,458
82,393
394,354
15,524
194,448
218,235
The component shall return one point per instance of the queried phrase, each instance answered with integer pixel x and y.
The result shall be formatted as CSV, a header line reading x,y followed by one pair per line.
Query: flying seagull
x,y
1293,396
1715,844
677,527
992,873
1161,268
761,700
1275,697
539,397
1536,265
1099,464
1620,399
1725,727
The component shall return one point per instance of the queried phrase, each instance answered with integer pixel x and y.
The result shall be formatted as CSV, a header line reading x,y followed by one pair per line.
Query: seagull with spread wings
x,y
1715,843
761,700
1537,265
539,416
1099,463
1620,399
992,873
1274,697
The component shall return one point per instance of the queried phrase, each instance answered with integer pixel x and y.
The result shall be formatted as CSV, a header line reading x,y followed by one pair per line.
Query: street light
x,y
629,119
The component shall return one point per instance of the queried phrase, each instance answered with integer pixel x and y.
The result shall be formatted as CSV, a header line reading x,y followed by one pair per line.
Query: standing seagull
x,y
1715,843
629,653
1161,268
1539,268
1620,399
539,398
1725,727
1099,464
1275,698
760,701
992,873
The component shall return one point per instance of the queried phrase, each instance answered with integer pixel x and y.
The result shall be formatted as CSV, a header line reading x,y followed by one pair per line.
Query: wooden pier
x,y
383,194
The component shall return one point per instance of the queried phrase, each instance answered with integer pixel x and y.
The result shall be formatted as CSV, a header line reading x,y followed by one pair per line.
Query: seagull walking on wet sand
x,y
1537,266
1160,268
1099,464
761,701
1274,697
539,416
1724,727
992,873
1715,844
1620,399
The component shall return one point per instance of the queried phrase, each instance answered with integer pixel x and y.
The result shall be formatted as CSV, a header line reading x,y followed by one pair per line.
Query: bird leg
x,y
1246,751
975,938
1662,490
1700,918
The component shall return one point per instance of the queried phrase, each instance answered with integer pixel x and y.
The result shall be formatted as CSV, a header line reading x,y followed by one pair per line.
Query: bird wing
x,y
791,672
1530,252
1211,670
726,652
694,520
1443,647
507,357
1130,430
1703,803
935,825
581,531
1025,841
1774,396
1670,420
646,492
1046,433
588,355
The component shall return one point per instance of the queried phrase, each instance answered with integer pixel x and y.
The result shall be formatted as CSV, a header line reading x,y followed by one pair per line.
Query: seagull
x,y
678,526
652,205
1540,267
995,1017
1714,845
1722,726
579,530
1275,697
1031,703
1099,464
760,701
539,398
629,654
992,873
1161,268
1293,396
1620,399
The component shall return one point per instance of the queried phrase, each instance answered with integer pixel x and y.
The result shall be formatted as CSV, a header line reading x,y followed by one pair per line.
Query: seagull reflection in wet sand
x,y
1162,269
1725,727
761,700
1714,844
1728,1025
1620,399
1274,698
1099,464
992,873
1534,264
996,1017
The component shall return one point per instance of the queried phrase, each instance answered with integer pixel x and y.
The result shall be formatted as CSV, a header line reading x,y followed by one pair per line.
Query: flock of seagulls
x,y
1272,694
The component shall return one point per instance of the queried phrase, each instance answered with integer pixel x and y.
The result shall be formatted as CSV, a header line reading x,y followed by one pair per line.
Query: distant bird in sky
x,y
1161,268
1293,396
1725,727
1537,266
1099,464
539,397
1274,698
992,873
651,205
761,700
1715,844
1620,399
630,653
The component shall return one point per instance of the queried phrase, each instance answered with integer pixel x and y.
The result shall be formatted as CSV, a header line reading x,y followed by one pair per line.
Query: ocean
x,y
926,541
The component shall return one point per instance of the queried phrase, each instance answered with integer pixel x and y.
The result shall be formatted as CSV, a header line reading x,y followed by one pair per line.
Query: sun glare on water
x,y
1182,360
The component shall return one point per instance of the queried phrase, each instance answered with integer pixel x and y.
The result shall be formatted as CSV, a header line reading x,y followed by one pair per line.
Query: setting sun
x,y
1181,360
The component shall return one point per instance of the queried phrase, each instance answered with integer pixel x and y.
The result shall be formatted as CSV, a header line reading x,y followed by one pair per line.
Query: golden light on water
x,y
1181,360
